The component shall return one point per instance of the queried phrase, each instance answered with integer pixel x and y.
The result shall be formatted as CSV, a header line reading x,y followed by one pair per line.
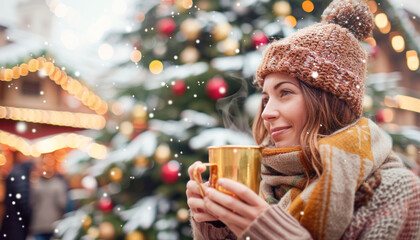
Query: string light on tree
x,y
156,67
307,6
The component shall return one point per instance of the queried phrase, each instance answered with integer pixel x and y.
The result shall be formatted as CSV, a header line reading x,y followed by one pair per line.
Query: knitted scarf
x,y
325,207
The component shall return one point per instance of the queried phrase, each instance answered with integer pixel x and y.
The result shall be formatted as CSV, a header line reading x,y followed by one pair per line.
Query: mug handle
x,y
197,180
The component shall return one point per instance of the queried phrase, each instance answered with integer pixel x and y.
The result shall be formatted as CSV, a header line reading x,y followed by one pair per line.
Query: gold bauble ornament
x,y
136,235
183,5
139,114
86,222
93,232
230,47
190,28
282,8
115,174
204,5
221,31
182,215
189,55
106,231
126,128
162,153
141,161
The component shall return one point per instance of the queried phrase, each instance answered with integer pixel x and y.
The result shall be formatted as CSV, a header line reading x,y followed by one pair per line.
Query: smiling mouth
x,y
278,131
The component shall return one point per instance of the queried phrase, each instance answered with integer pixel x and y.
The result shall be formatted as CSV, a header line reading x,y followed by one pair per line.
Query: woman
x,y
327,172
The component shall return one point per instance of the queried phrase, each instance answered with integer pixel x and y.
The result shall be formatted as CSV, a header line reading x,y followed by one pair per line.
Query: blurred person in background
x,y
18,214
48,201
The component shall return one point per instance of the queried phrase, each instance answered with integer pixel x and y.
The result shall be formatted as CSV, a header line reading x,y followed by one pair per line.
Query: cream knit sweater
x,y
392,213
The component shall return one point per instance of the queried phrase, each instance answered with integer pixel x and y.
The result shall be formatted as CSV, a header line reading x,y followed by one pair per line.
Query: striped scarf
x,y
325,207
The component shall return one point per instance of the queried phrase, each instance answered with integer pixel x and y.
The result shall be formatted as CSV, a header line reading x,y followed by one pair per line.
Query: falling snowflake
x,y
314,74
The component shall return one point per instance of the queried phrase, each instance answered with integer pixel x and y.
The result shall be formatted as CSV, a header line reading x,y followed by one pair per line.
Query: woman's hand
x,y
236,213
194,199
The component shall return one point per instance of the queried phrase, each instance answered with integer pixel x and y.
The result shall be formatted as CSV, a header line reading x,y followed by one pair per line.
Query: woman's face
x,y
284,110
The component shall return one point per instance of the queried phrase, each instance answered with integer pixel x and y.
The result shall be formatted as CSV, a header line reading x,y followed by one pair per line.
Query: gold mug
x,y
239,163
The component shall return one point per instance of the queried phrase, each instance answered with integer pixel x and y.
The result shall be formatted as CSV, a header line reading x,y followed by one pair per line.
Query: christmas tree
x,y
196,62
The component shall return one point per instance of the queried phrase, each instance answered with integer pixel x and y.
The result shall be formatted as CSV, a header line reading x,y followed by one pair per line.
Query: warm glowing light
x,y
33,65
386,29
290,21
412,60
408,103
307,6
24,69
381,20
156,67
105,51
97,151
371,41
54,117
373,6
398,43
135,56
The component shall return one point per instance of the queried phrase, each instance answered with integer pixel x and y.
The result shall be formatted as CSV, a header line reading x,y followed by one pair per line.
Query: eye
x,y
285,92
264,102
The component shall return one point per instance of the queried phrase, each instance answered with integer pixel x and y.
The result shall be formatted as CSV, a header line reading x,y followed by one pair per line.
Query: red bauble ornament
x,y
166,26
179,88
259,38
170,172
216,88
105,204
379,116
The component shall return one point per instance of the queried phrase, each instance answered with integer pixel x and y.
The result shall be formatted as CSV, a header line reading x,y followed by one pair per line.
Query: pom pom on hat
x,y
351,14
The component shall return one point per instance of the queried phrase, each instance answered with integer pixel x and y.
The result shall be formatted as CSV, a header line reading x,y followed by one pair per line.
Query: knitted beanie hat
x,y
326,55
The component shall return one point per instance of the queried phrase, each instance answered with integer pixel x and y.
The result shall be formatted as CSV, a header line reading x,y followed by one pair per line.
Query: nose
x,y
269,112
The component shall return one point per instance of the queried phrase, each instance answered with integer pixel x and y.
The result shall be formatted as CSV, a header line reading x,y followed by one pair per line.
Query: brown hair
x,y
326,114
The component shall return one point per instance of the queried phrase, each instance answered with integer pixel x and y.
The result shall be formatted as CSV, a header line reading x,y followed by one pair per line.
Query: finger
x,y
240,190
226,214
200,169
229,202
203,217
193,188
191,194
196,203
